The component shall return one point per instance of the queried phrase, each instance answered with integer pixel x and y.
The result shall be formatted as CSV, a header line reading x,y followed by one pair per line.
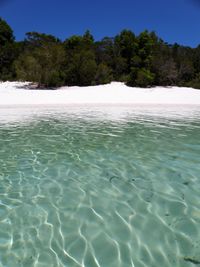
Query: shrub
x,y
103,74
141,78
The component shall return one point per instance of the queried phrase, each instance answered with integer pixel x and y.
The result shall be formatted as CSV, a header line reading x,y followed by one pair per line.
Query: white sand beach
x,y
116,93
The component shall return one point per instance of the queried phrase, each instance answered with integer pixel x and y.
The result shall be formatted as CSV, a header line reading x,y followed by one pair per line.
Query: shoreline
x,y
114,94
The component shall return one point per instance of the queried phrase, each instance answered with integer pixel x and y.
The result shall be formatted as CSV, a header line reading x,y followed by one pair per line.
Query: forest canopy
x,y
142,60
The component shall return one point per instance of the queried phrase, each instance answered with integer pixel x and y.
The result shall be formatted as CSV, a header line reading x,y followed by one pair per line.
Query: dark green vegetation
x,y
144,60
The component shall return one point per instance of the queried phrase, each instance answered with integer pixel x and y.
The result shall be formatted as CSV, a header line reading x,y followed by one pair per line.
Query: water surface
x,y
99,187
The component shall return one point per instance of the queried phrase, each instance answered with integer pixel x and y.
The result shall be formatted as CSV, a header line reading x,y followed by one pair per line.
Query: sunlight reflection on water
x,y
99,186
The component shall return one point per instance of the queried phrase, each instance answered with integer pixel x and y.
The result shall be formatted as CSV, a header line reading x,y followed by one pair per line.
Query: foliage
x,y
125,45
42,64
144,60
80,68
6,33
195,83
28,68
141,78
103,74
7,51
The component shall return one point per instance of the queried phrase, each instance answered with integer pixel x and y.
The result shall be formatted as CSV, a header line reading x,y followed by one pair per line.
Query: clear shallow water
x,y
118,187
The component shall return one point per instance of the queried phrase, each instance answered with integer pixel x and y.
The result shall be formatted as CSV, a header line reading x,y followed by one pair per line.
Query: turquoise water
x,y
118,187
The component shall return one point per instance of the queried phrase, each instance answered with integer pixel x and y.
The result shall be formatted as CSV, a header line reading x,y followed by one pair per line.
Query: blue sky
x,y
173,20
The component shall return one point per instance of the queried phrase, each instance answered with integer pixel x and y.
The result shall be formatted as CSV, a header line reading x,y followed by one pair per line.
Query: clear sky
x,y
173,20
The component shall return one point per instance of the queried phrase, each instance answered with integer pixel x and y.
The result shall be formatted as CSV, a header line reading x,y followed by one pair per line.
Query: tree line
x,y
143,61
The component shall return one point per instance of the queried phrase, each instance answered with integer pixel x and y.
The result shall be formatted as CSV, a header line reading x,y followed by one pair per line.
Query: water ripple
x,y
96,188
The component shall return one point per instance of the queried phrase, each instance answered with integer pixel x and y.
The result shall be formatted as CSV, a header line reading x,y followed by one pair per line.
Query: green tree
x,y
195,83
143,60
77,42
28,68
108,53
42,63
183,57
35,39
146,46
168,72
141,78
186,71
80,68
6,33
7,51
80,64
196,59
88,39
103,74
126,45
141,73
104,51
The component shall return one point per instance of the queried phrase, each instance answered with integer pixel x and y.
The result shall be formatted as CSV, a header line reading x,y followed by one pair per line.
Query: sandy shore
x,y
15,93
